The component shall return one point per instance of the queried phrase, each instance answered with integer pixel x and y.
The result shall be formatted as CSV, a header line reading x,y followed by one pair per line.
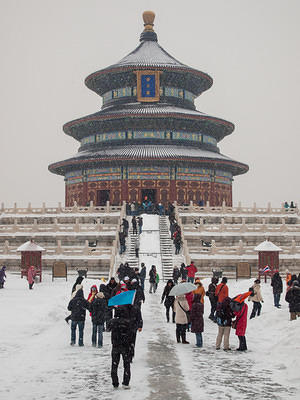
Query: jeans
x,y
191,279
152,286
276,299
97,328
256,309
199,341
73,332
137,253
140,229
142,283
115,358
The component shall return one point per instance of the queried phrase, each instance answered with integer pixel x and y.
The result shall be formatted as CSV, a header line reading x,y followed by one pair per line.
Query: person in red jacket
x,y
191,270
222,290
241,325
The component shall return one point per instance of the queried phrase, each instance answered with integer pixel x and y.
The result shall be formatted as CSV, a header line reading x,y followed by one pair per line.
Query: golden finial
x,y
148,17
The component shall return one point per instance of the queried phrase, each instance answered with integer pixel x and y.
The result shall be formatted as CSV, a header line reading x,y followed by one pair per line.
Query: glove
x,y
262,301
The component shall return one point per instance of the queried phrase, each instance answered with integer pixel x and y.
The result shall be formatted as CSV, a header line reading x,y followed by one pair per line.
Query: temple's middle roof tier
x,y
137,115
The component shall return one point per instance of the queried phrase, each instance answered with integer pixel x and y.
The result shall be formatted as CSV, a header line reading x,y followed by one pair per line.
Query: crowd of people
x,y
137,227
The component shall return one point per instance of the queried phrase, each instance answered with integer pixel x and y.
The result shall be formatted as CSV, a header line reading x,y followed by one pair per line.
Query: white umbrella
x,y
182,288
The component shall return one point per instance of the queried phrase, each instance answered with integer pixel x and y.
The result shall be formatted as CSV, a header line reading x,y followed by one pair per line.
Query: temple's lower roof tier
x,y
121,154
152,116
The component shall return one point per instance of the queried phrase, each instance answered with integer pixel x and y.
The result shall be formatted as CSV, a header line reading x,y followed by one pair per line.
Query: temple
x,y
148,140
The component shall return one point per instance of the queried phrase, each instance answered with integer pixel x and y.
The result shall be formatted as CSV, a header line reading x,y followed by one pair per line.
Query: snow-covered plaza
x,y
37,361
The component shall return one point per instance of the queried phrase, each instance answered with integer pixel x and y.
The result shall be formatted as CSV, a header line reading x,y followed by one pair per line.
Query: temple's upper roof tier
x,y
148,55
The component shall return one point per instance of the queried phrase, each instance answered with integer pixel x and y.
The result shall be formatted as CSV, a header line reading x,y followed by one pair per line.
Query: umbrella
x,y
122,298
182,288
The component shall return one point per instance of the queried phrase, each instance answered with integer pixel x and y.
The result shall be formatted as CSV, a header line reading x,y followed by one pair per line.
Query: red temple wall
x,y
166,190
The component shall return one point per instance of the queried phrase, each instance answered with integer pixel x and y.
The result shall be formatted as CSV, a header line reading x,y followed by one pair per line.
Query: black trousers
x,y
243,344
213,306
168,313
256,309
116,354
181,332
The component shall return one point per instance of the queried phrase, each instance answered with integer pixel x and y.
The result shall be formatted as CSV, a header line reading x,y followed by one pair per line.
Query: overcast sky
x,y
250,48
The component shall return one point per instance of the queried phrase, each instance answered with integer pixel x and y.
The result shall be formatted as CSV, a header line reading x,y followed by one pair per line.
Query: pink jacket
x,y
31,274
242,321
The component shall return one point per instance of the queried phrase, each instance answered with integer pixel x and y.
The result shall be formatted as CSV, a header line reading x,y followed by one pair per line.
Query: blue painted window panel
x,y
148,86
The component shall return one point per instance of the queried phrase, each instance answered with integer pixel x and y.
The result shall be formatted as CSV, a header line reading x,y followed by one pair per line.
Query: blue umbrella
x,y
122,298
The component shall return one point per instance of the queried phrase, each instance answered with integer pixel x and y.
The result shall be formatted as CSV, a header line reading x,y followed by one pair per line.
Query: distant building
x,y
148,140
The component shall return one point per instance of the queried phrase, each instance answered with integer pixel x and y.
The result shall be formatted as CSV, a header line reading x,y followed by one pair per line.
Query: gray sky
x,y
250,48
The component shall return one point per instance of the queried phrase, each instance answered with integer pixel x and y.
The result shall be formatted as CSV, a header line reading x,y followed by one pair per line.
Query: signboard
x,y
59,270
148,86
243,270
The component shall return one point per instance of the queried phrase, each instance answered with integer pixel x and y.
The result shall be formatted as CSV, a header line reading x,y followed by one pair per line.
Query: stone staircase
x,y
168,258
129,255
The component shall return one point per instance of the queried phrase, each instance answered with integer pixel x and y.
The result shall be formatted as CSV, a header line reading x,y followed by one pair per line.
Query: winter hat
x,y
121,282
126,278
257,281
133,280
100,295
296,283
240,298
224,279
123,286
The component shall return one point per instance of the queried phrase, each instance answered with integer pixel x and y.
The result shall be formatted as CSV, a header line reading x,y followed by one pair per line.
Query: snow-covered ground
x,y
37,362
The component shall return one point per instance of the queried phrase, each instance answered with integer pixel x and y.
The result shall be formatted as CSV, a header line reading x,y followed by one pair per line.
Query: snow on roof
x,y
30,246
267,246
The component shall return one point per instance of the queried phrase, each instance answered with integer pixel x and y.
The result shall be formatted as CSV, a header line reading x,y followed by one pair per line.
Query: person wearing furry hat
x,y
78,306
2,276
98,313
293,298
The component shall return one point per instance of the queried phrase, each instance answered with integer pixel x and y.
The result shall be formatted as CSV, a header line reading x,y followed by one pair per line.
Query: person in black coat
x,y
134,225
212,298
78,306
77,282
143,275
183,272
98,310
128,271
293,298
121,342
276,283
169,300
133,313
152,279
224,316
176,274
139,294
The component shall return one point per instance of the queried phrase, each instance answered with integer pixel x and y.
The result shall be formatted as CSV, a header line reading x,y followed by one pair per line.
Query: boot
x,y
184,339
178,337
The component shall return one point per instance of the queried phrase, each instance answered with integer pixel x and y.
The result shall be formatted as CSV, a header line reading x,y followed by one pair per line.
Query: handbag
x,y
187,313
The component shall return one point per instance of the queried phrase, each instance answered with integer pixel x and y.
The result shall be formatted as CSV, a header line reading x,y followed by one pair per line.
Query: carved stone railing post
x,y
59,208
58,249
15,209
191,207
254,209
44,208
243,226
222,225
107,207
86,248
293,249
213,249
91,206
6,247
75,207
35,227
76,226
29,208
269,208
98,227
223,205
240,249
263,227
2,207
239,207
15,225
283,227
201,225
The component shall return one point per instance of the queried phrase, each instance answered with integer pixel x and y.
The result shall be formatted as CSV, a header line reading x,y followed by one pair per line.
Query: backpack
x,y
221,317
235,305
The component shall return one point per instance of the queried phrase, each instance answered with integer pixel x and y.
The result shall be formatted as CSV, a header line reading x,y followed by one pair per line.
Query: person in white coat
x,y
181,308
256,299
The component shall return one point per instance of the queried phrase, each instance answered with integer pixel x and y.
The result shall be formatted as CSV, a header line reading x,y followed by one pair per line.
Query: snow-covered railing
x,y
193,208
60,209
240,249
8,249
200,226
